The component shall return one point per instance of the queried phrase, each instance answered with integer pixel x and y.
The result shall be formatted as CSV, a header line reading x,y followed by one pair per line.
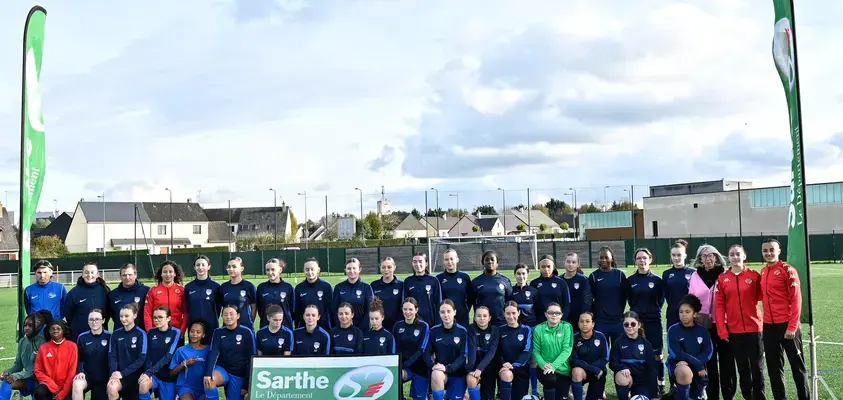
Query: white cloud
x,y
232,97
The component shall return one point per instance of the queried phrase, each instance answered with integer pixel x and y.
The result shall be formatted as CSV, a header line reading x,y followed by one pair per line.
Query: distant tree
x,y
557,209
519,207
415,213
542,208
456,213
521,227
589,208
400,214
294,225
623,206
48,247
40,224
564,226
437,212
475,228
390,222
542,227
485,210
372,226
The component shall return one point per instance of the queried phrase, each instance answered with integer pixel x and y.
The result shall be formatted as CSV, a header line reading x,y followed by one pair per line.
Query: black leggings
x,y
722,374
555,381
42,392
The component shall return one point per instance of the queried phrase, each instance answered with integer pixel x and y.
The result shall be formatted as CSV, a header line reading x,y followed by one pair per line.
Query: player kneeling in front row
x,y
411,333
232,348
690,348
163,340
516,344
450,349
589,359
553,341
633,360
188,364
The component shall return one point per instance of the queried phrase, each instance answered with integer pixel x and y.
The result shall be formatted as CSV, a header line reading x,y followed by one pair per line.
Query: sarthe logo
x,y
364,383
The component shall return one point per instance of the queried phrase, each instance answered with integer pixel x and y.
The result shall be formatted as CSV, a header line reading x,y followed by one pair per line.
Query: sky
x,y
232,98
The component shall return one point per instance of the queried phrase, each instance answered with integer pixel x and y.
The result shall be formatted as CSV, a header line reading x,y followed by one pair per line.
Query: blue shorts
x,y
6,389
197,393
455,387
166,390
612,330
233,384
419,386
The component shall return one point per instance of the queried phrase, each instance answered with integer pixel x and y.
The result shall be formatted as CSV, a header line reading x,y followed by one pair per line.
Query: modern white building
x,y
127,226
732,208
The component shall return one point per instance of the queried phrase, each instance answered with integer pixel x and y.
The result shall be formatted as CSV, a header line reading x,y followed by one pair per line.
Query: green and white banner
x,y
784,55
318,378
33,158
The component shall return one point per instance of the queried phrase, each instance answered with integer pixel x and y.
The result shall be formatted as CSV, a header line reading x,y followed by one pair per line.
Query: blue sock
x,y
212,394
534,380
145,396
474,394
5,390
576,387
438,394
506,390
622,391
682,392
550,394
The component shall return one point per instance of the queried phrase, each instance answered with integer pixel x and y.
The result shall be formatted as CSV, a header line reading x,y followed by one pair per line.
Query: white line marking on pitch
x,y
830,393
7,359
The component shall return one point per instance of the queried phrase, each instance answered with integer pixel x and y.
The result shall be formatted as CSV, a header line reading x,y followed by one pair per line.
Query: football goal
x,y
511,250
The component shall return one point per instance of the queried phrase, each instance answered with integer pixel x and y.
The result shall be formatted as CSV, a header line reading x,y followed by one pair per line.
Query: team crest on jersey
x,y
457,339
104,342
208,294
382,340
687,277
315,345
652,285
319,293
178,291
395,292
553,285
670,276
358,292
748,281
280,342
283,296
576,286
52,295
167,340
459,281
596,342
520,337
400,330
539,285
699,339
641,348
242,293
137,299
778,272
487,336
527,294
500,285
350,337
427,288
134,340
416,333
239,337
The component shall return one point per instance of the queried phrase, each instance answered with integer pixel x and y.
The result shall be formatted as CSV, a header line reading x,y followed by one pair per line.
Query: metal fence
x,y
65,277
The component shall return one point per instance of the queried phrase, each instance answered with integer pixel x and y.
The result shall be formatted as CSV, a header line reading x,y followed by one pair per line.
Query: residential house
x,y
439,226
127,225
465,227
9,246
58,227
249,221
410,227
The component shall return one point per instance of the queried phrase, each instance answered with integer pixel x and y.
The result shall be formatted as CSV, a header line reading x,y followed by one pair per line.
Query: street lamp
x,y
503,193
275,211
459,212
605,198
438,210
306,234
172,248
361,203
103,222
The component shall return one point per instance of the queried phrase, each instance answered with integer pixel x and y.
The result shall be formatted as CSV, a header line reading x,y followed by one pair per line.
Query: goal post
x,y
511,250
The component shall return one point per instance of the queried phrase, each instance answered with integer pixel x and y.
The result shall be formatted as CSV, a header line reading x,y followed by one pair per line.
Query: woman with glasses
x,y
425,289
632,360
126,356
92,371
168,293
232,348
411,335
275,339
345,336
450,351
354,292
90,292
645,293
589,359
163,341
188,364
516,345
239,292
708,264
389,289
55,365
483,371
276,291
553,341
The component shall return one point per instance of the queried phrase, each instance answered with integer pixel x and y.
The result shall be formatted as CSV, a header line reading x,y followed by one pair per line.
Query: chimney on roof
x,y
3,209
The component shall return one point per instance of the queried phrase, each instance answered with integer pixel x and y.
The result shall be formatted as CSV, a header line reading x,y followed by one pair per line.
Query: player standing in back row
x,y
609,301
455,284
782,301
491,289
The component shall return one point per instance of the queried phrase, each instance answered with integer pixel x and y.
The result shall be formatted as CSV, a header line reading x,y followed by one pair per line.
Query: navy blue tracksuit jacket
x,y
452,347
592,354
455,287
232,350
127,353
162,346
80,301
609,298
689,344
346,340
550,290
526,297
282,294
274,344
515,345
486,347
359,295
242,295
316,343
390,294
676,283
412,341
646,296
201,298
427,292
377,342
93,353
580,291
121,296
318,293
491,291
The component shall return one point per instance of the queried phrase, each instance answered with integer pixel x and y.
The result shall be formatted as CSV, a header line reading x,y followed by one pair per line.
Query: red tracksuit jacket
x,y
56,366
736,303
782,297
172,297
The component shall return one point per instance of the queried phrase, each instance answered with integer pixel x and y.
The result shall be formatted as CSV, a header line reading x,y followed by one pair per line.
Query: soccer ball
x,y
639,397
530,397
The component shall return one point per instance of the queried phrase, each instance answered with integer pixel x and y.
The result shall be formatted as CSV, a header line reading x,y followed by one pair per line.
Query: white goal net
x,y
511,250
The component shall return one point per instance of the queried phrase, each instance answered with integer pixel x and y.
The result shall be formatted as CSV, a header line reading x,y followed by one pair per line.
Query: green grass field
x,y
827,305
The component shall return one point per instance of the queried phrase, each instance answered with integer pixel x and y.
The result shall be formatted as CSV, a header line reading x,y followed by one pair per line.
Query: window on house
x,y
196,246
232,228
99,250
162,229
197,229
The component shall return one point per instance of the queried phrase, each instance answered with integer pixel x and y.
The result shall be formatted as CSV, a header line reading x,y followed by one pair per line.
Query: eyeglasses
x,y
709,255
554,313
94,319
630,324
